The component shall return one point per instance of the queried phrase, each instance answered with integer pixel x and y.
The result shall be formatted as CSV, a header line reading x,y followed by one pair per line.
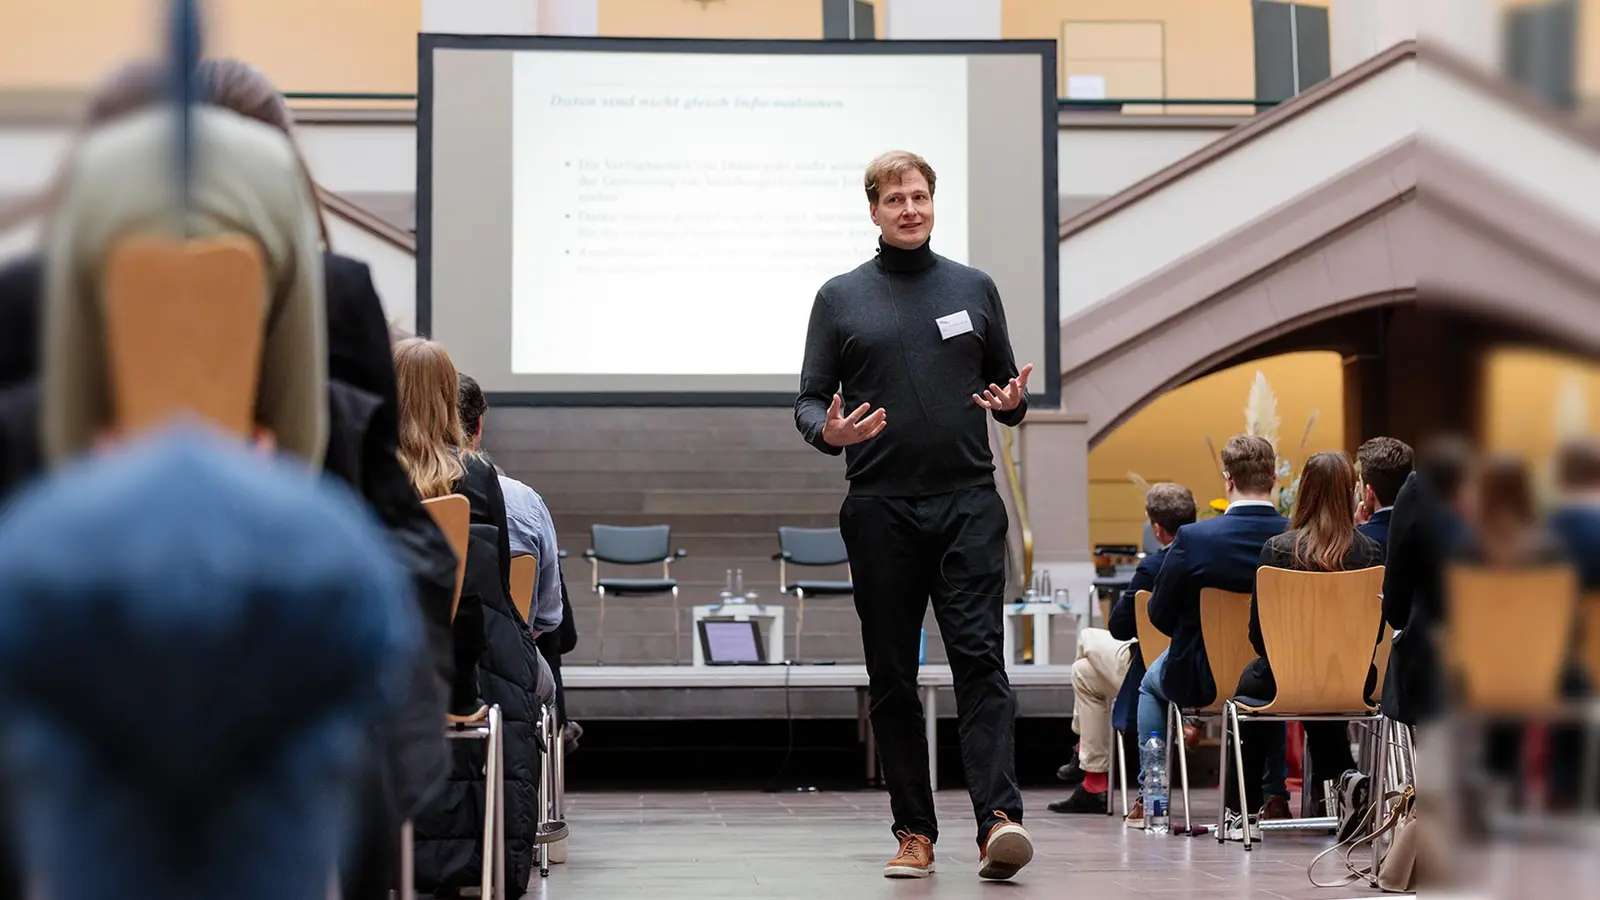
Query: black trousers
x,y
952,548
1327,745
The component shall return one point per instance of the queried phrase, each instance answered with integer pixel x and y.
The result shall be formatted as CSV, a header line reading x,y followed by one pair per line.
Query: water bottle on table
x,y
1153,758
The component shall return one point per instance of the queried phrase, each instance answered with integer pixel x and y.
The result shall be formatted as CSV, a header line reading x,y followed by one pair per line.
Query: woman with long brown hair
x,y
1322,537
490,635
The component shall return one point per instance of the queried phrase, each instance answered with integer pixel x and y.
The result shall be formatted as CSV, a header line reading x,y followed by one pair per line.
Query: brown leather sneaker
x,y
915,859
1005,851
1275,808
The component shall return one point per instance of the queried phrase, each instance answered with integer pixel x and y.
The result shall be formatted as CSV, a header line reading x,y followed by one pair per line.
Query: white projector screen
x,y
636,221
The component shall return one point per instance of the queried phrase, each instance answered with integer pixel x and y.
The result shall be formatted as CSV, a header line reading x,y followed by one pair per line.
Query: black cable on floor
x,y
788,750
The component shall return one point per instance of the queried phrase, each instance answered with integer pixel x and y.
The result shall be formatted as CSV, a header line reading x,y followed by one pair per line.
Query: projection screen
x,y
638,221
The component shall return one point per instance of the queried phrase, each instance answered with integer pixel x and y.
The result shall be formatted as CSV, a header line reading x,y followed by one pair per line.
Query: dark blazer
x,y
1422,532
1124,626
1377,526
1578,527
1364,553
1221,552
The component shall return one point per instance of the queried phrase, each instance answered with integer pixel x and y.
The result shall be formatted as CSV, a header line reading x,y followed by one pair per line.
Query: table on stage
x,y
929,680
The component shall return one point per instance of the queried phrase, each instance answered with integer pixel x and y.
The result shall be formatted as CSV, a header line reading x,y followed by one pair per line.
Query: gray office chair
x,y
634,546
810,547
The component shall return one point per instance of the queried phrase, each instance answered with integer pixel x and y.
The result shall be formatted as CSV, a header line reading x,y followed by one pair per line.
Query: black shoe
x,y
1071,773
1083,801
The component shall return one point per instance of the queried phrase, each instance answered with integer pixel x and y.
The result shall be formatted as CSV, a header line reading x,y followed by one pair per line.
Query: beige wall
x,y
1525,391
305,45
1209,50
714,19
1166,440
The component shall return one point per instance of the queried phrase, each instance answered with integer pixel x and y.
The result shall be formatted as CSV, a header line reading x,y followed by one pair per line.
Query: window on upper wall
x,y
1541,44
1292,48
1121,60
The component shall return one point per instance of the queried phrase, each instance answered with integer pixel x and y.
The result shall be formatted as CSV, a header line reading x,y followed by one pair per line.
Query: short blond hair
x,y
891,168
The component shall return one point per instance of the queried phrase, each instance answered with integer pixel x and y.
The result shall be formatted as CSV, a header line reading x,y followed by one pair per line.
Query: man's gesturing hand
x,y
842,431
1001,399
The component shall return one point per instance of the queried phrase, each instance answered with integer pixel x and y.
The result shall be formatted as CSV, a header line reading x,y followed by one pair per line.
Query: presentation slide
x,y
615,220
688,208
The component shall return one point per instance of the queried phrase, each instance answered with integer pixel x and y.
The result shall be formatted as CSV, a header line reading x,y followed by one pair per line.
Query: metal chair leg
x,y
543,800
1378,814
500,884
1175,739
491,770
1222,778
600,636
1111,771
799,621
677,631
1238,760
408,861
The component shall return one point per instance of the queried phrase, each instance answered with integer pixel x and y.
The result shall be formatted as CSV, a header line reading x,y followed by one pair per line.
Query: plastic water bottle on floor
x,y
1153,758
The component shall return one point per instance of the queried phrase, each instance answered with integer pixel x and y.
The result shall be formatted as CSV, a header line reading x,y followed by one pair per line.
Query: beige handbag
x,y
1397,869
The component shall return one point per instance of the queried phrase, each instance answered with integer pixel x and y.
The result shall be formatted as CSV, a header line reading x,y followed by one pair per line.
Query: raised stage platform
x,y
833,691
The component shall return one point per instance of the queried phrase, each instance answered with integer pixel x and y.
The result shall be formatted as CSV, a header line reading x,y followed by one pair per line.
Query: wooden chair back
x,y
1320,630
1508,636
184,331
1152,643
524,573
1225,628
1591,636
453,514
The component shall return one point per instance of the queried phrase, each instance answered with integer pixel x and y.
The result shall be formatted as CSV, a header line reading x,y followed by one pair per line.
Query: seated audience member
x,y
531,530
1576,519
1221,552
1383,465
1322,537
496,660
435,456
1505,532
1425,527
1108,660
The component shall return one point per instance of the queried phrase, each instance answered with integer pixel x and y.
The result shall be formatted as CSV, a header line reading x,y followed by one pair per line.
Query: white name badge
x,y
954,324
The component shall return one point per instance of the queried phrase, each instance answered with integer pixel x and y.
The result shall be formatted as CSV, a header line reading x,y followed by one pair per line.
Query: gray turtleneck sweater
x,y
875,337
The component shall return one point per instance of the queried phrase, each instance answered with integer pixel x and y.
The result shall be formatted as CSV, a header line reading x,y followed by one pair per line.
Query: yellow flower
x,y
1220,505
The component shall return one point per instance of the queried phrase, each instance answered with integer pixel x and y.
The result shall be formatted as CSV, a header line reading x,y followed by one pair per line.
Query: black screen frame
x,y
1048,382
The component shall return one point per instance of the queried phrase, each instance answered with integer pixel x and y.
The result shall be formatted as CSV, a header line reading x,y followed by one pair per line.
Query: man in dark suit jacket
x,y
1577,521
1221,552
1382,464
1103,654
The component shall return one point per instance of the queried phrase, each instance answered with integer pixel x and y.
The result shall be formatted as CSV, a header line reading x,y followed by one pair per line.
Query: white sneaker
x,y
1007,849
1234,825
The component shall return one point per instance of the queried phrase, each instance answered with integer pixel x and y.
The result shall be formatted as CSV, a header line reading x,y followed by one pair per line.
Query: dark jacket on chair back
x,y
1221,552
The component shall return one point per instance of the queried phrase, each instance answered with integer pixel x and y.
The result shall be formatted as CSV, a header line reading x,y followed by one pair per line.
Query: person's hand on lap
x,y
842,431
1001,399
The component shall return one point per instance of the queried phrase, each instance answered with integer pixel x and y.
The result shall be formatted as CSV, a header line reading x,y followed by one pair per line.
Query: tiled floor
x,y
832,846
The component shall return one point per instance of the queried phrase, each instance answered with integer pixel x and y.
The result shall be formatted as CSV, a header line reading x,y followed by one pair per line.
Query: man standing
x,y
923,337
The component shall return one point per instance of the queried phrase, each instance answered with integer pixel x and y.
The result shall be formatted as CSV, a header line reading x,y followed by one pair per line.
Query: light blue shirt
x,y
530,530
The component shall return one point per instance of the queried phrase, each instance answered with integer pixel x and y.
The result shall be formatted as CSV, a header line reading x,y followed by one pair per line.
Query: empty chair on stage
x,y
813,548
646,545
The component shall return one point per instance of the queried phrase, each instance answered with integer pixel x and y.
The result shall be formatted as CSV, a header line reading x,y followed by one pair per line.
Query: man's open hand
x,y
842,431
1001,399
